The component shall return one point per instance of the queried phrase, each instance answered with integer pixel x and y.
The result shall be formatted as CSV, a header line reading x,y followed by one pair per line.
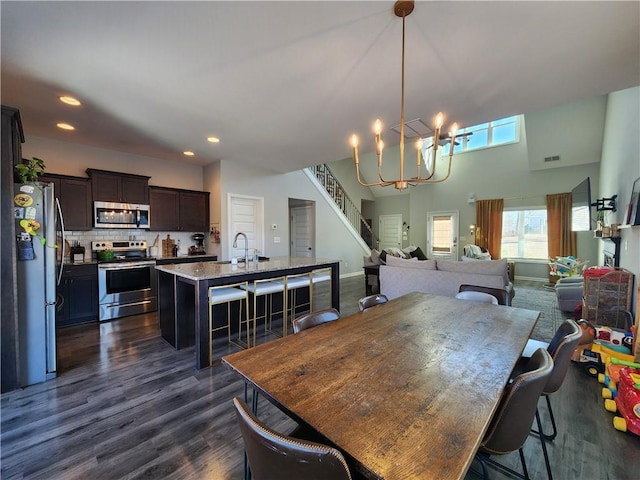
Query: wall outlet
x,y
276,239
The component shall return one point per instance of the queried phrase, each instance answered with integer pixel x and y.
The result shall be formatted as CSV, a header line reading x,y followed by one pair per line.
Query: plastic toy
x,y
627,402
593,361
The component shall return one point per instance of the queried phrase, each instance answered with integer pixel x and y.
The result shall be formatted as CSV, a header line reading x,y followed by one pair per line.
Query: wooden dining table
x,y
405,390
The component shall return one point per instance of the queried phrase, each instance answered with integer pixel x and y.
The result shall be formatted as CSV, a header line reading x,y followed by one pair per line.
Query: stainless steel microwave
x,y
120,215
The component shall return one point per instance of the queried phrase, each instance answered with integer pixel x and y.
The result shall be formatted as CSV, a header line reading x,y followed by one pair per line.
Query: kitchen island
x,y
183,306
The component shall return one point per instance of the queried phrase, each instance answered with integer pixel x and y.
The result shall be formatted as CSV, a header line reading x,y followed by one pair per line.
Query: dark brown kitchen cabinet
x,y
77,295
178,210
119,187
74,194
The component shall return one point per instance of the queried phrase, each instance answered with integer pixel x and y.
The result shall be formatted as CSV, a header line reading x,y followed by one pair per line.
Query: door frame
x,y
398,217
455,234
298,204
259,242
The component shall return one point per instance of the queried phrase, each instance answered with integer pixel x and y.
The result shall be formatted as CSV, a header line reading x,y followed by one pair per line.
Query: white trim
x,y
531,279
260,243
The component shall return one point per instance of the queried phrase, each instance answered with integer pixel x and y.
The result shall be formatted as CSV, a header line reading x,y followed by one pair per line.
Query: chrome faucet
x,y
246,247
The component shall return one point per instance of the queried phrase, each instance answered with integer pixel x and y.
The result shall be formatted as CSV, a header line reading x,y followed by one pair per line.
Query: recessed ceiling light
x,y
66,126
189,153
70,101
213,139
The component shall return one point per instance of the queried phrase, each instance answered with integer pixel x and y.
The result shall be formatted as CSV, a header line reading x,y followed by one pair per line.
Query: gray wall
x,y
575,132
620,166
491,173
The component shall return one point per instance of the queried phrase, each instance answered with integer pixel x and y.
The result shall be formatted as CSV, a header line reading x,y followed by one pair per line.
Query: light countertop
x,y
208,270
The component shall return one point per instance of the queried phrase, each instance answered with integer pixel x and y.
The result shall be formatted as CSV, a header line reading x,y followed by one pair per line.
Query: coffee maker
x,y
198,248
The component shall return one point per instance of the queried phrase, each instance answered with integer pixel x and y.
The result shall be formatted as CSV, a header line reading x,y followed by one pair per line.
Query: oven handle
x,y
137,217
125,266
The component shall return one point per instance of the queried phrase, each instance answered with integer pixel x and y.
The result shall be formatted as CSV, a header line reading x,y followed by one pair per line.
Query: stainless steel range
x,y
127,281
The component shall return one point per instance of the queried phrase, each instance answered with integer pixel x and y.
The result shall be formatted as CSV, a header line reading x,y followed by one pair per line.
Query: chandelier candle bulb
x,y
354,144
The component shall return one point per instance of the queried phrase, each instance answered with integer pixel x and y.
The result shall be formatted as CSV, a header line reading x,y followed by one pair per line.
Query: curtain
x,y
489,225
560,239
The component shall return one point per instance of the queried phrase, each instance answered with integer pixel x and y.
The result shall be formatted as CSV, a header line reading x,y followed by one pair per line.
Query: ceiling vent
x,y
414,129
554,158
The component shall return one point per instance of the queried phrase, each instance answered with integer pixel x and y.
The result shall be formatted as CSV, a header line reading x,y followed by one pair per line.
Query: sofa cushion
x,y
411,263
485,267
375,257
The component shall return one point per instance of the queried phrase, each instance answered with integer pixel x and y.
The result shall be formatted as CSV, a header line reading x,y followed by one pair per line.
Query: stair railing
x,y
339,195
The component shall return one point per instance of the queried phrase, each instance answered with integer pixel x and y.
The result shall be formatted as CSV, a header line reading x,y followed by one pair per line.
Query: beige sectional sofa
x,y
441,277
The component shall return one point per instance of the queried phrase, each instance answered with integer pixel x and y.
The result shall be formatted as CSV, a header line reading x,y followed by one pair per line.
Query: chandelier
x,y
403,8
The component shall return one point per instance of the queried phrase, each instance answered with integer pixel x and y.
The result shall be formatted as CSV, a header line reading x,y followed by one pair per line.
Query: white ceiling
x,y
284,84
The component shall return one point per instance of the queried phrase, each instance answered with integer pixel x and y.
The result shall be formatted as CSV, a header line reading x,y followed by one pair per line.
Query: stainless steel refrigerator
x,y
35,213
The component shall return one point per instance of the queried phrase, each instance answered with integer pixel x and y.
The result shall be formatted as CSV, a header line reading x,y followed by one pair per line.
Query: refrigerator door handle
x,y
59,209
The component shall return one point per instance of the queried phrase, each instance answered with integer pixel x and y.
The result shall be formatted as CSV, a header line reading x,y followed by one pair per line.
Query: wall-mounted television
x,y
581,207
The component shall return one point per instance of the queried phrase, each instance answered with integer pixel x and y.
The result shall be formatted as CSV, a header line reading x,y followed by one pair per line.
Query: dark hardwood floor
x,y
126,405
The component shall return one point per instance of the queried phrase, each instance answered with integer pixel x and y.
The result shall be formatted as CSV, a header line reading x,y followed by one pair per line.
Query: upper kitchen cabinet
x,y
175,210
74,194
119,187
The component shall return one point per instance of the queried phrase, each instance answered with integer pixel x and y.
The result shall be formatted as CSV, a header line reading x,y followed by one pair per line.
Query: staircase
x,y
350,212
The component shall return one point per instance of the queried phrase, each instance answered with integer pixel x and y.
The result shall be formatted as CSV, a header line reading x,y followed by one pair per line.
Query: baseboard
x,y
531,279
352,274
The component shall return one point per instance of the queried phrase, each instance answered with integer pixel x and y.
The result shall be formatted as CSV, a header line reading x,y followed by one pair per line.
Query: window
x,y
491,134
442,238
524,234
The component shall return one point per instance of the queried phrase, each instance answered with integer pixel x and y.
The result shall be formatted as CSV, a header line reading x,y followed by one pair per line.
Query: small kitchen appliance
x,y
198,248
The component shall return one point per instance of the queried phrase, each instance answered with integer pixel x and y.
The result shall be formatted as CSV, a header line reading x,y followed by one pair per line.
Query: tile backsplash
x,y
118,234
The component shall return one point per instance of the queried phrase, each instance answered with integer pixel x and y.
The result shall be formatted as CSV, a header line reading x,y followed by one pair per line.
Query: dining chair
x,y
228,294
511,423
273,456
500,293
561,347
477,297
371,301
313,319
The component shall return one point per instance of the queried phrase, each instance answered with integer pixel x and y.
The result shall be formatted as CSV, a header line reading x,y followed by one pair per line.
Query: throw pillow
x,y
418,253
396,252
412,263
375,256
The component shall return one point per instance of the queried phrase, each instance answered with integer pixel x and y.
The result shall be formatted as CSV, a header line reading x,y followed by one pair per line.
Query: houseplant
x,y
27,173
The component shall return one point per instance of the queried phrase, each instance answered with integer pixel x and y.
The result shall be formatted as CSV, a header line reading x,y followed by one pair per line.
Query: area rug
x,y
533,296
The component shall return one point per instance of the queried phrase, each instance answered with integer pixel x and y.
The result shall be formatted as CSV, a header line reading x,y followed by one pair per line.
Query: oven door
x,y
126,289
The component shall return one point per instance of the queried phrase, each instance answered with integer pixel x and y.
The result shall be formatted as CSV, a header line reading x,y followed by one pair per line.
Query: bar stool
x,y
320,275
294,283
226,294
266,288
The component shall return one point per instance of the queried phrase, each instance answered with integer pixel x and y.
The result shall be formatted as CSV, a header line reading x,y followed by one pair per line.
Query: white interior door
x,y
442,235
302,231
246,215
390,231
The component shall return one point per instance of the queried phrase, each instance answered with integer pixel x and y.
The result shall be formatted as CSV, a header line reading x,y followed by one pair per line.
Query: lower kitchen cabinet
x,y
77,295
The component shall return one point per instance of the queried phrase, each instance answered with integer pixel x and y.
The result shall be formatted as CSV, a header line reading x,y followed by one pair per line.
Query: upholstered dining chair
x,y
371,301
511,423
500,293
313,319
273,456
477,297
561,347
